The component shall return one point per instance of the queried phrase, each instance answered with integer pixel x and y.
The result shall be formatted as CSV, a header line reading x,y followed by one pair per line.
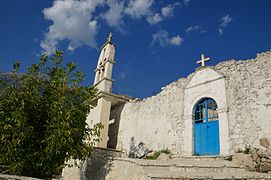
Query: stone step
x,y
193,168
196,169
215,157
188,165
168,175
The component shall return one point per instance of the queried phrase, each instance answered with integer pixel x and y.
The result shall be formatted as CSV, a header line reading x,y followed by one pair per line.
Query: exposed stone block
x,y
244,160
265,142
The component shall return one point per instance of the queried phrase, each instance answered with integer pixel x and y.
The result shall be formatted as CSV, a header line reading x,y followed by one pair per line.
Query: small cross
x,y
203,60
110,37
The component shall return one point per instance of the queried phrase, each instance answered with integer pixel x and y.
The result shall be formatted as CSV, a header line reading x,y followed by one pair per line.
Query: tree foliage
x,y
42,118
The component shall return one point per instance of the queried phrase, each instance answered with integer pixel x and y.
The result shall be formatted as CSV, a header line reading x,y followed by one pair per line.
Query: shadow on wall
x,y
140,151
132,148
114,127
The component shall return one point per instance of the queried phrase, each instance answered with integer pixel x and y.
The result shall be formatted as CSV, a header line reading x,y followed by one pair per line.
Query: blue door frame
x,y
206,128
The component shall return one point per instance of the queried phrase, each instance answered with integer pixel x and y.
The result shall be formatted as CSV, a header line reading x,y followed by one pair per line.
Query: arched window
x,y
205,111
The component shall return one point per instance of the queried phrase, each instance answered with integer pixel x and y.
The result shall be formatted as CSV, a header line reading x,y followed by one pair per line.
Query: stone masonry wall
x,y
97,166
158,120
248,89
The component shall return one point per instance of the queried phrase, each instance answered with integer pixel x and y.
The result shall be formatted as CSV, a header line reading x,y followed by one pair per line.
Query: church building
x,y
217,110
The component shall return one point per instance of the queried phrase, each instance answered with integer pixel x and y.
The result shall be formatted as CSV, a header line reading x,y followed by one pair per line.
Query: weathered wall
x,y
97,166
248,89
14,177
158,121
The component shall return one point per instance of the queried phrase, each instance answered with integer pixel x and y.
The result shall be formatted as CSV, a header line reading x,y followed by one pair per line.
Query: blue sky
x,y
157,42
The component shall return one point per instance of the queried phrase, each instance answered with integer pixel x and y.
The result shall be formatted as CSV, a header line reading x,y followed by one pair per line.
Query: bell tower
x,y
103,72
103,83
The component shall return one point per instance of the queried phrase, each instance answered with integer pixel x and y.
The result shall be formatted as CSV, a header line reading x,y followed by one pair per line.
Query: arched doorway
x,y
206,128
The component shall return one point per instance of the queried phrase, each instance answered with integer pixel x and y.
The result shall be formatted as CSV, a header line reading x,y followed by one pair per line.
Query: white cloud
x,y
72,21
224,22
154,19
176,40
76,21
167,10
162,38
71,48
192,28
143,8
114,15
195,28
138,8
220,31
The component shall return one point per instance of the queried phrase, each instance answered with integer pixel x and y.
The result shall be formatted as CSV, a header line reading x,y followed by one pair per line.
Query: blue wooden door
x,y
206,128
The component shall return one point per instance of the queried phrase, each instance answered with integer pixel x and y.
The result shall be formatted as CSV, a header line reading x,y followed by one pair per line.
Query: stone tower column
x,y
103,83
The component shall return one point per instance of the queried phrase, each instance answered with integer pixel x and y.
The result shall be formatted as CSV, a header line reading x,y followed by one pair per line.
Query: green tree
x,y
42,118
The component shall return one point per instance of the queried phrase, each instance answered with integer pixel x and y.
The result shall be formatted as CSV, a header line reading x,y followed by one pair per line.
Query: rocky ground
x,y
255,159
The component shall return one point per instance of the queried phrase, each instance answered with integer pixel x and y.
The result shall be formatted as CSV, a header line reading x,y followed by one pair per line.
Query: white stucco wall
x,y
155,121
242,90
